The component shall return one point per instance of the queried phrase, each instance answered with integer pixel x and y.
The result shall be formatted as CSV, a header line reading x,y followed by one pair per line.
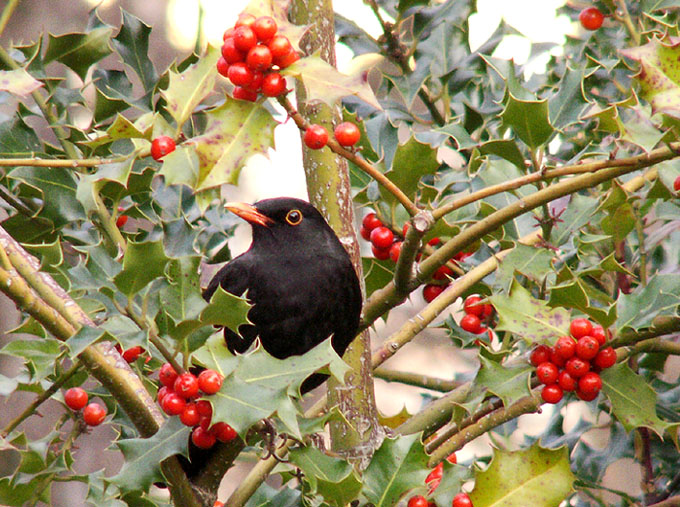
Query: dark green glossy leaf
x,y
132,44
79,51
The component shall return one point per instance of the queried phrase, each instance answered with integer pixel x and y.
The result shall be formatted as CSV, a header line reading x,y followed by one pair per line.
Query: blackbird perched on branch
x,y
299,279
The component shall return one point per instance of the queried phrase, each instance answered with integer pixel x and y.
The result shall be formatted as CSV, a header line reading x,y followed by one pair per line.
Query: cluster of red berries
x,y
574,362
432,480
385,245
251,50
177,396
591,18
93,413
477,315
347,134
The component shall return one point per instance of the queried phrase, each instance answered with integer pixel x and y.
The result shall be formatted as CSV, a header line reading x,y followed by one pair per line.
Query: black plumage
x,y
299,279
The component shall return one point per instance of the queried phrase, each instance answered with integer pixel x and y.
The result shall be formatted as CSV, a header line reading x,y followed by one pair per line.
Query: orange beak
x,y
249,213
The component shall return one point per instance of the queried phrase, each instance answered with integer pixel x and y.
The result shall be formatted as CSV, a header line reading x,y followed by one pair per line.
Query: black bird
x,y
299,279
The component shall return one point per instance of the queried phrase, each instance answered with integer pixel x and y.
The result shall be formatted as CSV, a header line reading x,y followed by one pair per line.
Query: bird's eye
x,y
294,217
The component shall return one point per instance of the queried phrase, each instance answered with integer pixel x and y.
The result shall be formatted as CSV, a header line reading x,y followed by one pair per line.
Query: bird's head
x,y
282,219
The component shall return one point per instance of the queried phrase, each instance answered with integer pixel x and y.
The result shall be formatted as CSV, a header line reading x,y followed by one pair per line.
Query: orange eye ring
x,y
294,217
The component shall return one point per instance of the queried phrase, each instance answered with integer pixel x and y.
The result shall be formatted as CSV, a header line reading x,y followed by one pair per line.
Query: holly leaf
x,y
234,131
412,161
397,466
187,89
227,310
530,318
528,119
38,355
509,384
638,309
633,399
536,476
142,263
18,82
132,44
534,263
324,82
143,456
659,75
566,105
333,478
79,51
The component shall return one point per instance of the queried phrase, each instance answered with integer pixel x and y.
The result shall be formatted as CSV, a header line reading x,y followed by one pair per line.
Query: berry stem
x,y
416,379
46,394
621,14
374,173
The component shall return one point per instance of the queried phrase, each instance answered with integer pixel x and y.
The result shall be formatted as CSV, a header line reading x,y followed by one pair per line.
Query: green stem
x,y
7,13
416,379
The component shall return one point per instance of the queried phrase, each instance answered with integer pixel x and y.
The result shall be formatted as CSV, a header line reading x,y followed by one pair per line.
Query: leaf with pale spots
x,y
323,82
536,476
659,74
530,318
235,131
18,82
188,88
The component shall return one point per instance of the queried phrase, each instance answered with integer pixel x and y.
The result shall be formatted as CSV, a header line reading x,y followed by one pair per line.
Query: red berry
x,y
231,54
209,381
488,309
240,74
228,33
75,398
256,84
404,229
443,272
371,221
172,404
556,359
580,327
591,18
280,46
547,373
190,416
273,85
244,38
590,383
365,233
451,458
676,184
431,291
461,500
585,396
539,355
417,501
264,27
382,237
347,134
205,422
162,393
186,385
223,432
241,93
471,323
167,375
287,60
131,354
565,346
566,381
122,219
605,358
599,334
381,254
204,408
202,438
259,58
587,347
395,251
472,306
161,146
222,67
244,19
577,367
94,414
552,393
315,137
435,476
434,241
